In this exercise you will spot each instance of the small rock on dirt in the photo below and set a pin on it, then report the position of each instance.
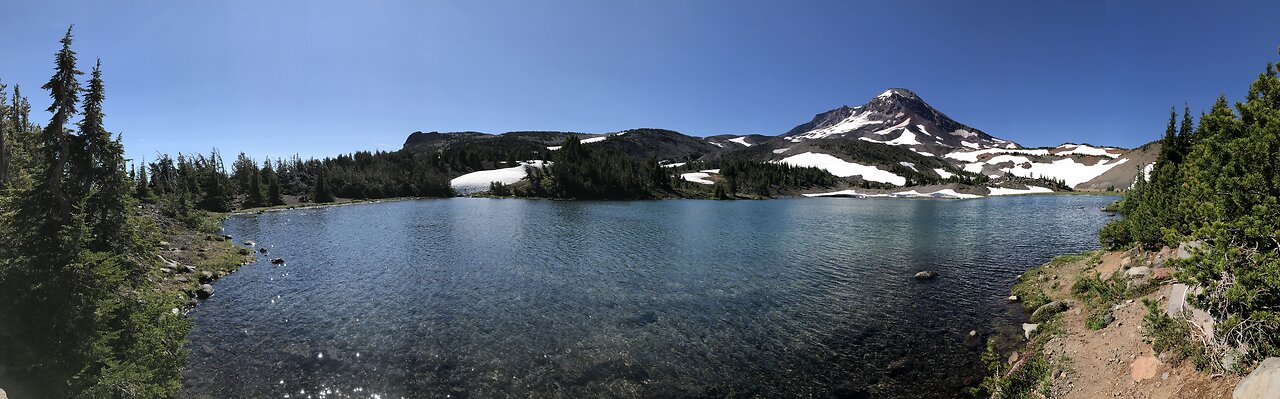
(1140, 271)
(1144, 368)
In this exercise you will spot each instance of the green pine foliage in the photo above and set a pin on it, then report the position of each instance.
(1218, 182)
(80, 313)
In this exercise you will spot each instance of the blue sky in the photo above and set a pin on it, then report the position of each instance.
(318, 78)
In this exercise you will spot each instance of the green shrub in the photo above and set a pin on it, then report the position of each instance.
(1172, 336)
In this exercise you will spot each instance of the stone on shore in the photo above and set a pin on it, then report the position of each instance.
(1028, 328)
(205, 291)
(1144, 368)
(926, 275)
(1263, 382)
(1044, 312)
(1014, 298)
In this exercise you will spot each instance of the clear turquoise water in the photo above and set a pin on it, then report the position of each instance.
(679, 298)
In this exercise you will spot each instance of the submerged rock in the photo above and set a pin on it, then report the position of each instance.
(262, 250)
(205, 291)
(277, 261)
(1263, 382)
(926, 275)
(250, 243)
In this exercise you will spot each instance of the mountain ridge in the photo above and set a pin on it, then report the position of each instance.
(879, 141)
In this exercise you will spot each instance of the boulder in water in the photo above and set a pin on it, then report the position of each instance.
(926, 275)
(277, 261)
(205, 291)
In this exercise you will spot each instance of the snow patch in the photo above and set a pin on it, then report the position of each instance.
(479, 181)
(741, 140)
(1015, 191)
(853, 122)
(842, 168)
(943, 173)
(673, 165)
(781, 150)
(697, 177)
(945, 193)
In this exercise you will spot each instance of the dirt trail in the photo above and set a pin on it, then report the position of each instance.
(1114, 362)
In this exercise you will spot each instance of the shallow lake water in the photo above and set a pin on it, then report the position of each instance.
(679, 298)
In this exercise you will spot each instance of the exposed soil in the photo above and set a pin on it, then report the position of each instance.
(1114, 362)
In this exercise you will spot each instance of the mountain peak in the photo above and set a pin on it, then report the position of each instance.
(896, 116)
(898, 92)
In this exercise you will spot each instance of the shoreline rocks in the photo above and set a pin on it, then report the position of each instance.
(1049, 309)
(205, 291)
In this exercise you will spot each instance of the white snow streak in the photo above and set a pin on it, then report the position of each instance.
(842, 168)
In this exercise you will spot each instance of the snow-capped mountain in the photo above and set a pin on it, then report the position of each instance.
(896, 139)
(897, 117)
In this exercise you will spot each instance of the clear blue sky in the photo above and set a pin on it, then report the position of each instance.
(324, 77)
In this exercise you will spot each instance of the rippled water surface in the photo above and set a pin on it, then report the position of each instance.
(679, 298)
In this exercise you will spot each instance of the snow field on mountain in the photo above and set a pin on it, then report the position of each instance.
(478, 181)
(1015, 191)
(842, 168)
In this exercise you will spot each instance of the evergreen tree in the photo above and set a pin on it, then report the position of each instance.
(143, 190)
(4, 141)
(322, 193)
(254, 197)
(103, 177)
(64, 88)
(274, 196)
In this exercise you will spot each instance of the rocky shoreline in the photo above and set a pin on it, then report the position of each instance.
(1086, 321)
